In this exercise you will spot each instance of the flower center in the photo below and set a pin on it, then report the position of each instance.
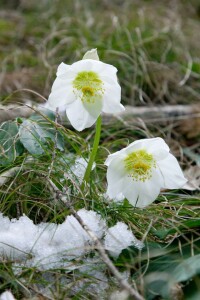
(139, 165)
(87, 85)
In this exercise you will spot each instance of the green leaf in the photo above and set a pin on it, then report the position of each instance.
(183, 226)
(10, 146)
(187, 269)
(158, 284)
(192, 289)
(31, 138)
(171, 272)
(46, 112)
(35, 133)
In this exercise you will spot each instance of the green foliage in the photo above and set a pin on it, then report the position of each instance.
(36, 132)
(10, 146)
(170, 248)
(168, 269)
(153, 47)
(183, 226)
(187, 269)
(168, 272)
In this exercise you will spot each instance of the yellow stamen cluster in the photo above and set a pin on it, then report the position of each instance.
(139, 165)
(88, 86)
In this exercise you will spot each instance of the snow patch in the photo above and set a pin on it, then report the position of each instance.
(118, 238)
(50, 245)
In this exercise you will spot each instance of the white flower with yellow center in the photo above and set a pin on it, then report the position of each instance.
(141, 170)
(85, 89)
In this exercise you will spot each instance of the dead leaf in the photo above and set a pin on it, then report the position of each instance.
(193, 176)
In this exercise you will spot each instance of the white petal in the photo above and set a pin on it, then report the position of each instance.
(112, 79)
(120, 153)
(136, 145)
(156, 146)
(116, 177)
(171, 172)
(112, 98)
(59, 83)
(91, 54)
(113, 89)
(96, 66)
(141, 194)
(130, 190)
(62, 68)
(68, 76)
(60, 98)
(110, 158)
(94, 108)
(83, 65)
(142, 144)
(106, 70)
(78, 116)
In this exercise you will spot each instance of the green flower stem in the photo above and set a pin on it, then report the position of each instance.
(94, 151)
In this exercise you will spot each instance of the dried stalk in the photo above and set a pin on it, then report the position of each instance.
(99, 247)
(131, 113)
(11, 112)
(5, 176)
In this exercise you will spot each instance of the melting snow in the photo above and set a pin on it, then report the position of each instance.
(50, 245)
(118, 238)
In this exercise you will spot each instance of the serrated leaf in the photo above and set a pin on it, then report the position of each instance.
(10, 146)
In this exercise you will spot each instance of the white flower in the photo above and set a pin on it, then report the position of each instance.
(141, 170)
(85, 89)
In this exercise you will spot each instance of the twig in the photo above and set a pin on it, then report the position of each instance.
(10, 112)
(99, 247)
(5, 176)
(152, 114)
(188, 71)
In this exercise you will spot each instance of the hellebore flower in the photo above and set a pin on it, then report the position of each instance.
(141, 170)
(85, 89)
